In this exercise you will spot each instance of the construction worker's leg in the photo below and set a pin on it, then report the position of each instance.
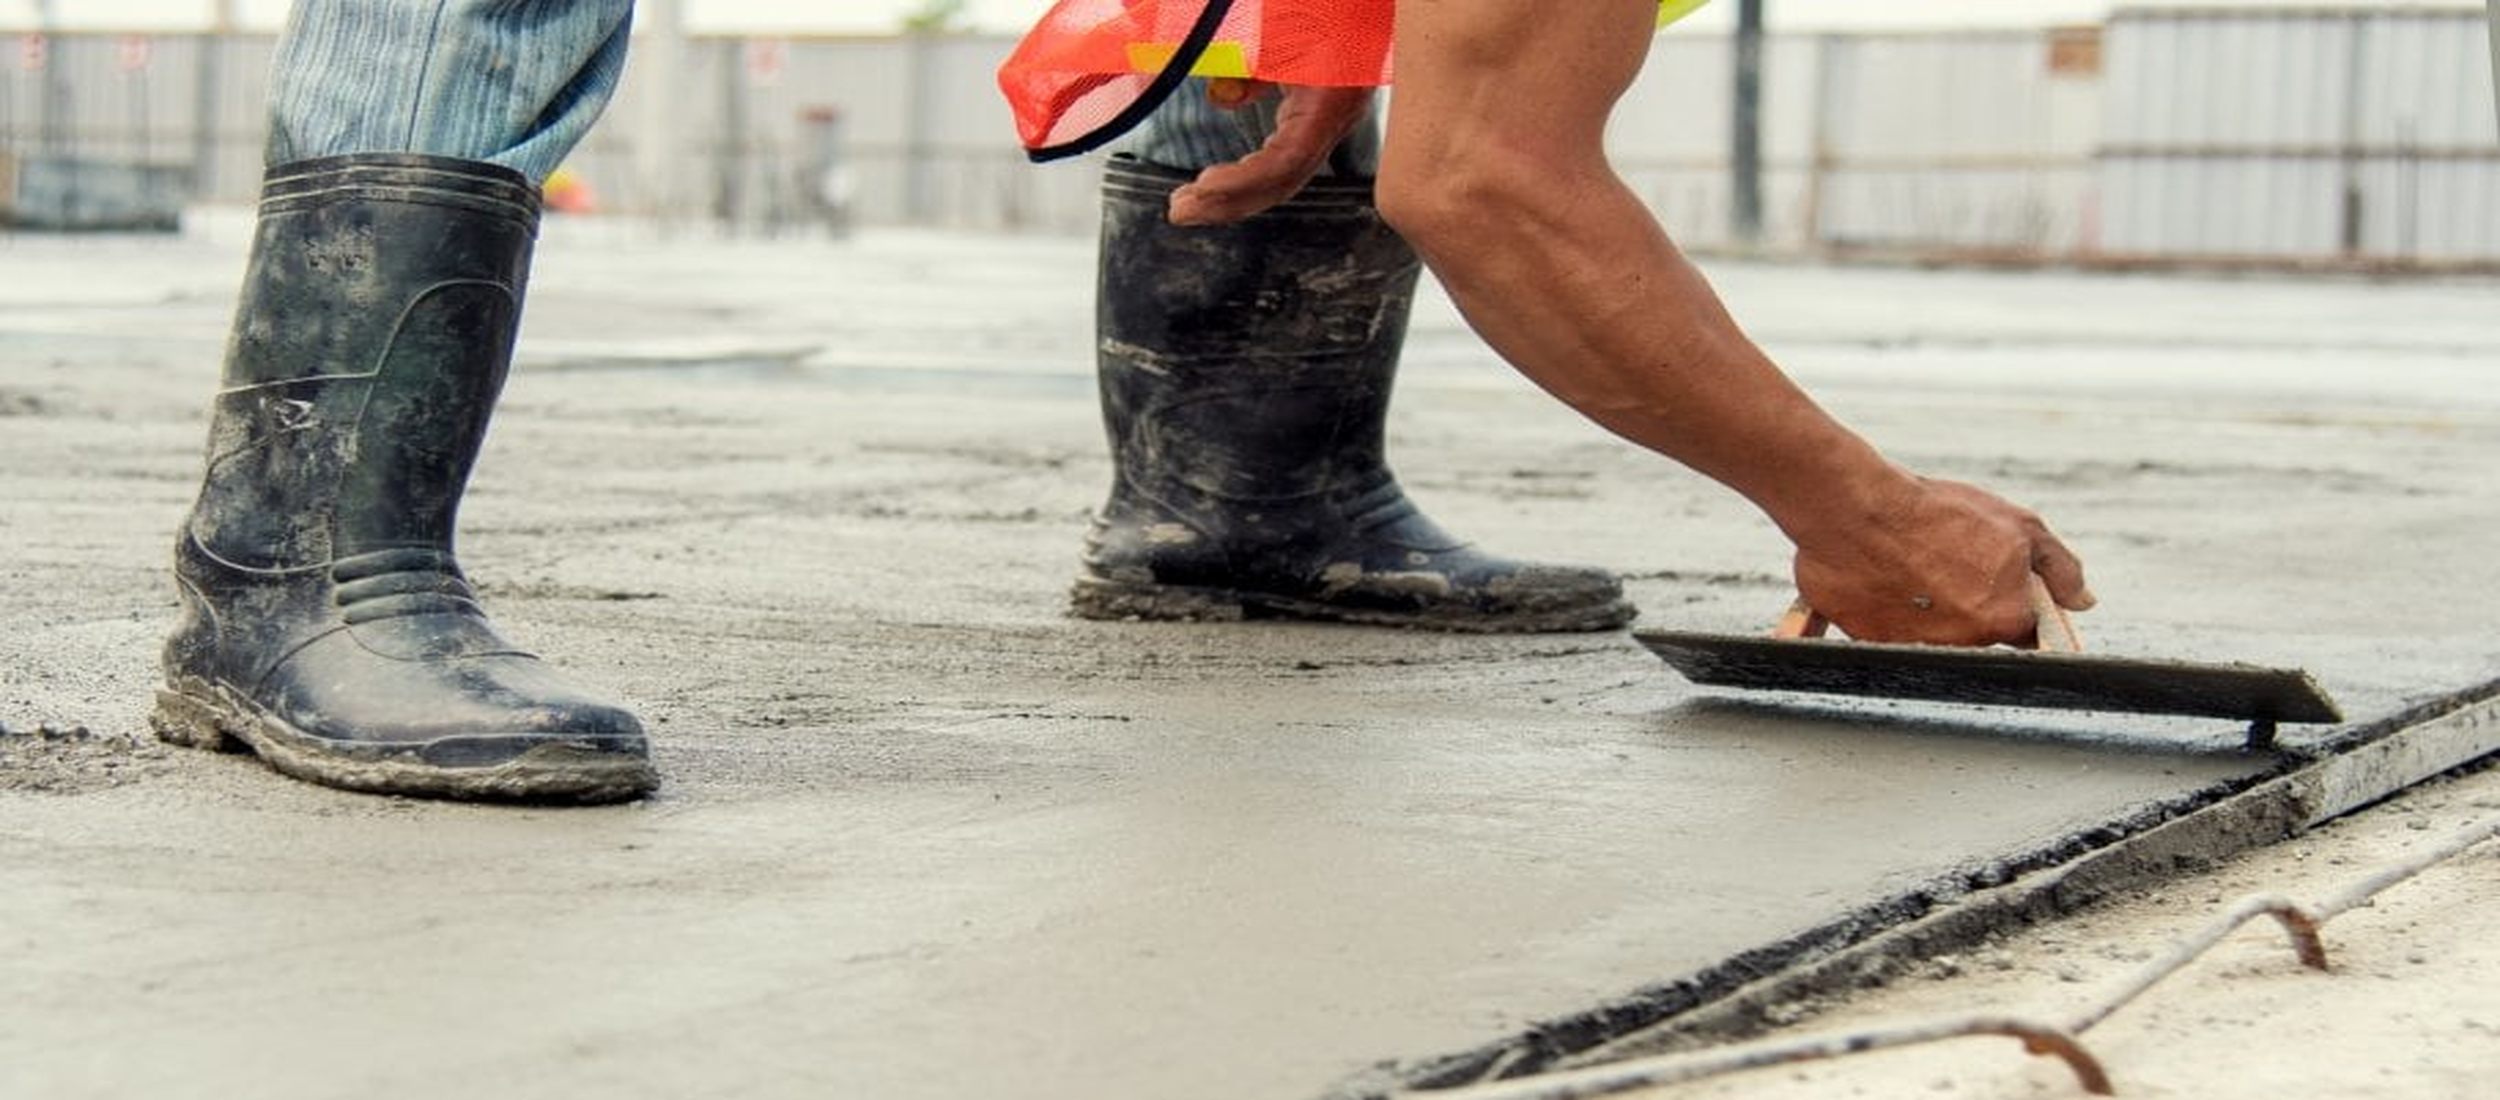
(1245, 374)
(325, 624)
(510, 83)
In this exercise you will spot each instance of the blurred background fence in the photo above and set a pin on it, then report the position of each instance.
(2294, 137)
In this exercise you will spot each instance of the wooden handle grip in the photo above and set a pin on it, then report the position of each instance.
(2054, 628)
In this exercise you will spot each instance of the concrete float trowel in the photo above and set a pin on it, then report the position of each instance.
(1796, 656)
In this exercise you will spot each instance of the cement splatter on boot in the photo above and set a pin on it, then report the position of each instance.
(1245, 374)
(325, 624)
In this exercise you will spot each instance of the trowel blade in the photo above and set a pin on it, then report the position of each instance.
(1997, 677)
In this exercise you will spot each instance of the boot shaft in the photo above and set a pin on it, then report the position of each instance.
(325, 623)
(1253, 361)
(371, 338)
(1245, 375)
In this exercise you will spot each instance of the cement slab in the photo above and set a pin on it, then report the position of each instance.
(813, 505)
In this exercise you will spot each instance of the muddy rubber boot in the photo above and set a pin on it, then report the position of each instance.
(324, 623)
(1245, 375)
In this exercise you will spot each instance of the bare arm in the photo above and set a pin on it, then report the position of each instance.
(1495, 169)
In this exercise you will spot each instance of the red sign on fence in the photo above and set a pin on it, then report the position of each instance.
(32, 51)
(767, 59)
(132, 54)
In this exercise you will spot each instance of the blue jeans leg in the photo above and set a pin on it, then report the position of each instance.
(1189, 133)
(511, 82)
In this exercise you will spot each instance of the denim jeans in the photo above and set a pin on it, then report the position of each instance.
(513, 82)
(519, 82)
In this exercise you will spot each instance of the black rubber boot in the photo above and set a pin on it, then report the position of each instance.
(1245, 376)
(324, 622)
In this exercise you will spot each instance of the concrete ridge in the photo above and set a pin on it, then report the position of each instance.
(1742, 996)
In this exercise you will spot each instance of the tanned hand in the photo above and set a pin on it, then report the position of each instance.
(1309, 124)
(1951, 566)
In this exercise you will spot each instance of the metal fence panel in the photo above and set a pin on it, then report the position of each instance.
(117, 97)
(2354, 136)
(162, 101)
(1672, 128)
(1971, 143)
(923, 136)
(2274, 135)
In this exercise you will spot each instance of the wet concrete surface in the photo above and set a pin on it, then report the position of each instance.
(813, 507)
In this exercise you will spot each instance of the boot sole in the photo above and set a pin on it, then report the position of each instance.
(215, 719)
(1112, 601)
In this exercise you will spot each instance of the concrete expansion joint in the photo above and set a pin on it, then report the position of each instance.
(1710, 1025)
(2062, 1039)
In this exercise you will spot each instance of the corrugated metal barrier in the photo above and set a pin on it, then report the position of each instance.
(2359, 136)
(2305, 137)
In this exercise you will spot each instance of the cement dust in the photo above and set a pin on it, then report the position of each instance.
(71, 759)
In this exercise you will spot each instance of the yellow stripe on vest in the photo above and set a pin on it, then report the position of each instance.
(1221, 59)
(1671, 10)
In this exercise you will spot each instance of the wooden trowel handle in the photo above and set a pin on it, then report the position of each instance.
(1801, 621)
(2055, 628)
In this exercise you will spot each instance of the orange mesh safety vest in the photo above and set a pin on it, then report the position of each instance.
(1091, 69)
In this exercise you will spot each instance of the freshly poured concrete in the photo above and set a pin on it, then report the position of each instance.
(813, 507)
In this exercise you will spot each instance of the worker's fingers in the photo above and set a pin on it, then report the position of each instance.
(2063, 572)
(1957, 565)
(1230, 192)
(1234, 93)
(1309, 124)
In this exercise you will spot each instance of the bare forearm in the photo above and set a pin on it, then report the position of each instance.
(1496, 169)
(1630, 334)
